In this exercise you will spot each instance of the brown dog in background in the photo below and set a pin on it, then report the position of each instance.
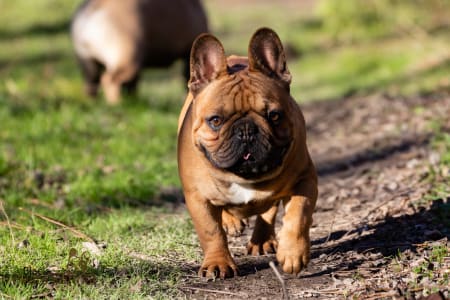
(115, 39)
(242, 150)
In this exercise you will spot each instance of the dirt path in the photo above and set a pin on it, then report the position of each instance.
(372, 155)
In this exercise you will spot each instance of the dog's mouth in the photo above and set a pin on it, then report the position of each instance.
(252, 166)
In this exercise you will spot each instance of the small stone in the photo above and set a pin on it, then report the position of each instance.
(445, 171)
(53, 269)
(392, 186)
(412, 163)
(434, 158)
(331, 199)
(356, 191)
(24, 244)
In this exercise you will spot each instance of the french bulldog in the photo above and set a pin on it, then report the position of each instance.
(115, 39)
(242, 151)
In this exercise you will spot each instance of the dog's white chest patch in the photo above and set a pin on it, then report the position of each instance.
(241, 194)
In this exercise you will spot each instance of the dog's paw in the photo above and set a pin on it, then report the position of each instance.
(293, 255)
(266, 247)
(232, 225)
(218, 267)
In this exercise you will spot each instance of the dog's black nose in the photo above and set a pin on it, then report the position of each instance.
(246, 131)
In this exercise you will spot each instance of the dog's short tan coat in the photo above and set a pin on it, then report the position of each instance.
(242, 150)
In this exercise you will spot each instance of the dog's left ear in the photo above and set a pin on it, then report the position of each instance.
(266, 54)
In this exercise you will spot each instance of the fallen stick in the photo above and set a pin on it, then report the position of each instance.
(330, 230)
(321, 292)
(283, 284)
(50, 220)
(209, 290)
(7, 221)
(5, 296)
(12, 225)
(381, 295)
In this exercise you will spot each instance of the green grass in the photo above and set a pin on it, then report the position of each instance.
(402, 50)
(439, 174)
(432, 269)
(105, 171)
(147, 248)
(95, 168)
(427, 273)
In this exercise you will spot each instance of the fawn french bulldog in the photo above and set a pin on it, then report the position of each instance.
(242, 150)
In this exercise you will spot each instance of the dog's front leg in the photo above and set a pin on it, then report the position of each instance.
(207, 220)
(293, 238)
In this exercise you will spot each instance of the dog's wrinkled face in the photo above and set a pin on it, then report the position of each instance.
(242, 125)
(241, 106)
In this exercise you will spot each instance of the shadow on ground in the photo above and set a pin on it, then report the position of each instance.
(391, 237)
(372, 155)
(36, 30)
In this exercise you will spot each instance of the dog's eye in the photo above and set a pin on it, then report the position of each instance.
(275, 116)
(215, 122)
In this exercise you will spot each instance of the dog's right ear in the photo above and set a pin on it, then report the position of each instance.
(207, 62)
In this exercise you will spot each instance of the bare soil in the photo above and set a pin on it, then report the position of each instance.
(371, 224)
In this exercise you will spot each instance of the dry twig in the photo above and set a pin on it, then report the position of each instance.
(330, 230)
(278, 275)
(2, 208)
(76, 232)
(12, 225)
(321, 292)
(210, 291)
(5, 296)
(381, 295)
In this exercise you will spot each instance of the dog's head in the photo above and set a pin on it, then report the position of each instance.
(242, 108)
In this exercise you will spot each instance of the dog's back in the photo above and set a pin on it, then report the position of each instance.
(124, 36)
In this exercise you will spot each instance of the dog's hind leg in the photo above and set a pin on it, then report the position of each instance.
(263, 239)
(232, 225)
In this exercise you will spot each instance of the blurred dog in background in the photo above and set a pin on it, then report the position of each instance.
(115, 39)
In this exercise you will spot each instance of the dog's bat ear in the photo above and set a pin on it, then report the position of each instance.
(266, 54)
(207, 62)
